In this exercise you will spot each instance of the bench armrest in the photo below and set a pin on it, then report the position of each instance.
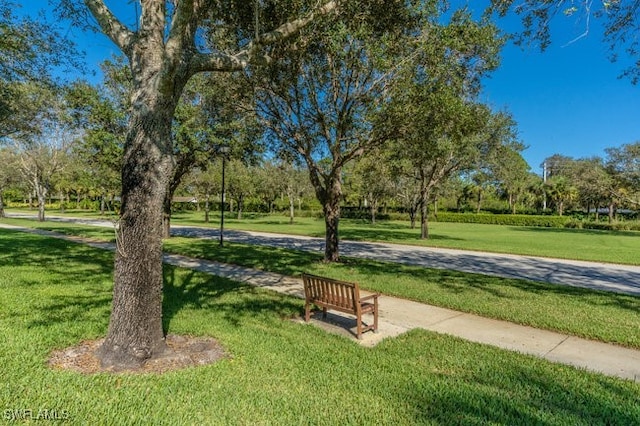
(372, 296)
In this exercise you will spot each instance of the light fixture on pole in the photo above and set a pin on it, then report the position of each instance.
(223, 150)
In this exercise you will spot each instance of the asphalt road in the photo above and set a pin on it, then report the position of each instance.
(600, 276)
(609, 277)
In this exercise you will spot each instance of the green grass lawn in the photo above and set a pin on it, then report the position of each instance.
(604, 316)
(56, 293)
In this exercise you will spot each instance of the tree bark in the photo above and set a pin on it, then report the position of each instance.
(332, 221)
(1, 205)
(135, 329)
(331, 210)
(291, 208)
(206, 207)
(424, 207)
(41, 193)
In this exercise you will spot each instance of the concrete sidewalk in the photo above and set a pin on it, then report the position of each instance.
(398, 316)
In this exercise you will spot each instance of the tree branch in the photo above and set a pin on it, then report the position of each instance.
(183, 26)
(110, 25)
(235, 62)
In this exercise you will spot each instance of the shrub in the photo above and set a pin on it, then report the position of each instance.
(505, 219)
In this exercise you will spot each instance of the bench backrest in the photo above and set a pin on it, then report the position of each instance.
(338, 293)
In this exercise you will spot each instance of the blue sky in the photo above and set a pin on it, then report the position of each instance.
(567, 100)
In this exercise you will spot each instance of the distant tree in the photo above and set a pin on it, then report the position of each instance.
(374, 173)
(476, 189)
(239, 184)
(406, 186)
(557, 165)
(8, 173)
(512, 172)
(624, 163)
(592, 182)
(315, 104)
(623, 167)
(205, 183)
(562, 192)
(446, 140)
(441, 128)
(268, 182)
(41, 158)
(296, 185)
(101, 112)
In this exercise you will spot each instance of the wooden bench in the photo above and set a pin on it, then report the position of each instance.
(342, 296)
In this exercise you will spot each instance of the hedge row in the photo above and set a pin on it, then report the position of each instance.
(605, 226)
(505, 219)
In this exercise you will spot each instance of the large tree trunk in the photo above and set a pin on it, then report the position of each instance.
(332, 220)
(135, 328)
(374, 210)
(292, 208)
(424, 207)
(331, 210)
(206, 207)
(41, 193)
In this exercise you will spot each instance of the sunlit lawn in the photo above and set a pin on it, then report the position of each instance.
(604, 316)
(56, 293)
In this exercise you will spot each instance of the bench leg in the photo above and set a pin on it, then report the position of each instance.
(324, 312)
(375, 315)
(359, 327)
(307, 312)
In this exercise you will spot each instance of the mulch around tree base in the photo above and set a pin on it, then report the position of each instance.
(182, 352)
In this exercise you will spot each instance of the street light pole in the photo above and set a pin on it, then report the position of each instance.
(224, 150)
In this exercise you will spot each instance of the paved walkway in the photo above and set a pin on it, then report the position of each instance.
(398, 316)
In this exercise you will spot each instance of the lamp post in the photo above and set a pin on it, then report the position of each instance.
(223, 150)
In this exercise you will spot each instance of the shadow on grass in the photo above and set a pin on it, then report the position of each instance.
(462, 283)
(20, 249)
(67, 228)
(378, 234)
(232, 301)
(73, 286)
(491, 388)
(284, 261)
(543, 230)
